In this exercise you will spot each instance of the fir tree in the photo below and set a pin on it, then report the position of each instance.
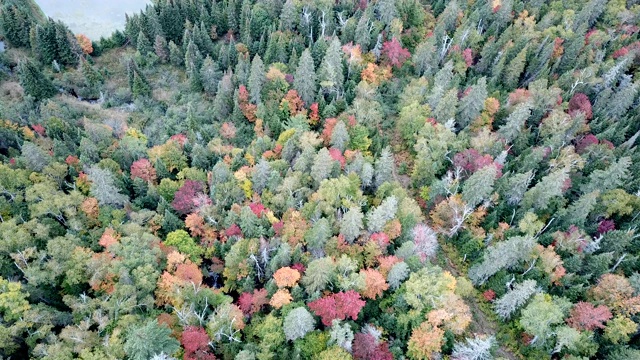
(330, 73)
(175, 54)
(384, 167)
(193, 63)
(34, 82)
(304, 80)
(256, 79)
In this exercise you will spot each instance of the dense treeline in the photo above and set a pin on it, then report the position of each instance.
(322, 180)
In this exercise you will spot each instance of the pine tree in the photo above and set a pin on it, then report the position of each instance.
(351, 224)
(323, 166)
(143, 45)
(289, 16)
(193, 63)
(68, 50)
(510, 302)
(256, 79)
(161, 49)
(502, 255)
(612, 177)
(331, 70)
(34, 82)
(340, 137)
(515, 121)
(479, 185)
(378, 216)
(175, 54)
(304, 80)
(514, 69)
(384, 167)
(148, 340)
(472, 104)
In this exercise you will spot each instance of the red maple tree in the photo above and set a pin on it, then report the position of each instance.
(394, 53)
(196, 344)
(585, 316)
(368, 347)
(337, 306)
(183, 201)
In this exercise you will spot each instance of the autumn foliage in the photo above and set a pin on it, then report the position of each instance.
(585, 316)
(337, 306)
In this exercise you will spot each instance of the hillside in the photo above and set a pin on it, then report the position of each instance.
(389, 179)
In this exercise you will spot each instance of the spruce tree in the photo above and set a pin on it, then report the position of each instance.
(304, 80)
(34, 82)
(193, 63)
(331, 70)
(143, 45)
(256, 79)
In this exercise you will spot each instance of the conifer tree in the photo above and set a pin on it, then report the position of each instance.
(148, 340)
(351, 224)
(384, 167)
(34, 82)
(256, 79)
(193, 63)
(304, 80)
(143, 45)
(323, 165)
(161, 48)
(175, 54)
(330, 73)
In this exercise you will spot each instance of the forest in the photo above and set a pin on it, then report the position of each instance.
(322, 180)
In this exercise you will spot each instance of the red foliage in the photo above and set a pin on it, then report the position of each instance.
(39, 129)
(381, 239)
(620, 52)
(196, 344)
(580, 102)
(293, 102)
(233, 230)
(329, 124)
(394, 53)
(585, 142)
(181, 139)
(257, 208)
(585, 316)
(228, 130)
(489, 295)
(606, 226)
(467, 55)
(248, 109)
(367, 347)
(144, 170)
(299, 267)
(337, 306)
(471, 161)
(314, 114)
(183, 201)
(337, 156)
(277, 227)
(245, 300)
(519, 96)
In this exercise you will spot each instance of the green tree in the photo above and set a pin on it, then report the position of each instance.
(298, 323)
(351, 224)
(34, 82)
(185, 244)
(331, 70)
(143, 342)
(256, 79)
(304, 80)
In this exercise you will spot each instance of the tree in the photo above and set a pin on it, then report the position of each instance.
(543, 314)
(104, 189)
(612, 177)
(257, 79)
(193, 62)
(397, 275)
(143, 45)
(351, 224)
(85, 43)
(298, 323)
(428, 287)
(318, 274)
(379, 216)
(184, 200)
(323, 166)
(340, 137)
(148, 340)
(161, 48)
(286, 277)
(338, 306)
(619, 328)
(367, 345)
(478, 348)
(342, 336)
(330, 73)
(425, 240)
(144, 170)
(472, 103)
(479, 186)
(196, 344)
(585, 316)
(304, 80)
(424, 341)
(384, 167)
(185, 244)
(394, 53)
(515, 298)
(34, 82)
(502, 255)
(375, 284)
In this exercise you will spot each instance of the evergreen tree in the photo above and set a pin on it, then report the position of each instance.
(193, 63)
(148, 340)
(143, 45)
(210, 75)
(351, 224)
(331, 70)
(256, 79)
(175, 54)
(161, 49)
(304, 80)
(323, 166)
(384, 167)
(340, 137)
(34, 82)
(472, 104)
